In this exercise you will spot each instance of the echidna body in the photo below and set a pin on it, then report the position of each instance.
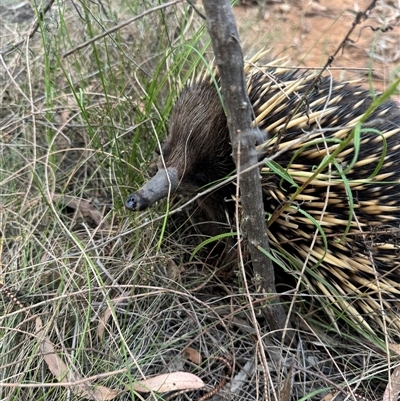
(343, 225)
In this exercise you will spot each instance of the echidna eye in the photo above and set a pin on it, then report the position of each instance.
(165, 149)
(200, 178)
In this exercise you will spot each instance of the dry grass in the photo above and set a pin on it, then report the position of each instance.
(115, 291)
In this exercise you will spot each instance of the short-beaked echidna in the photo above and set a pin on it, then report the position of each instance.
(344, 224)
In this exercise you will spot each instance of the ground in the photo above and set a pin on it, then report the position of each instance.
(308, 32)
(119, 298)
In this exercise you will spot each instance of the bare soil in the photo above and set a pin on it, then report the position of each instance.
(308, 32)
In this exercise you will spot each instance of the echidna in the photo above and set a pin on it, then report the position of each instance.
(342, 222)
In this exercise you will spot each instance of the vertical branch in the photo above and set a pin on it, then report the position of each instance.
(229, 58)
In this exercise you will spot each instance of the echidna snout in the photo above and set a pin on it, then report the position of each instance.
(163, 183)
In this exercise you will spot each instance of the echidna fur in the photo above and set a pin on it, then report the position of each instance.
(343, 228)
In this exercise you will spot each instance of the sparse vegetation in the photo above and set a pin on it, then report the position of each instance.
(119, 296)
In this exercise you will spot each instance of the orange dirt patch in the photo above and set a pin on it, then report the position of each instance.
(308, 32)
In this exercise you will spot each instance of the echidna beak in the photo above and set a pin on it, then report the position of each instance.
(159, 187)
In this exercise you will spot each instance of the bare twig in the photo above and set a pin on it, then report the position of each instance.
(32, 32)
(120, 26)
(225, 41)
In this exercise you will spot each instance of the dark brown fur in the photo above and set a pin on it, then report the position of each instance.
(199, 146)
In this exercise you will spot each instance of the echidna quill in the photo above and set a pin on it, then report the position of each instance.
(343, 226)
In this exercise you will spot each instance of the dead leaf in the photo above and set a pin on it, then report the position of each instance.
(284, 8)
(287, 386)
(266, 15)
(316, 7)
(330, 396)
(169, 382)
(83, 208)
(64, 374)
(395, 348)
(174, 271)
(392, 391)
(107, 315)
(64, 116)
(192, 355)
